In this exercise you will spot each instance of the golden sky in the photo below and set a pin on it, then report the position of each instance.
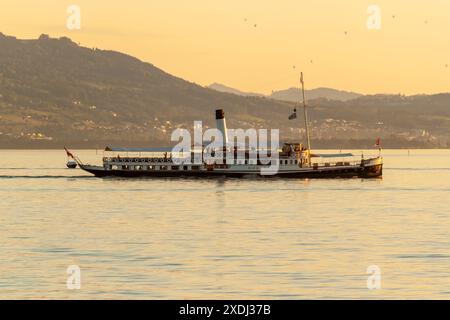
(253, 45)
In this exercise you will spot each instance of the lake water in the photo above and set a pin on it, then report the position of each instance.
(228, 238)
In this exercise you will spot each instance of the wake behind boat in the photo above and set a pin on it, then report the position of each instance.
(293, 160)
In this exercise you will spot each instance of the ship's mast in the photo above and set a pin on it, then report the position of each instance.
(305, 113)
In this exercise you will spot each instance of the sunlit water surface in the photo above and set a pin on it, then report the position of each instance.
(227, 238)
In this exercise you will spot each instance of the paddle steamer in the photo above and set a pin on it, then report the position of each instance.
(293, 161)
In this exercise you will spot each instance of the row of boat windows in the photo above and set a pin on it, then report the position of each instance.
(328, 164)
(122, 160)
(173, 168)
(163, 168)
(162, 160)
(253, 162)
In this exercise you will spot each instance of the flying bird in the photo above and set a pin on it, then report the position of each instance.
(345, 32)
(255, 25)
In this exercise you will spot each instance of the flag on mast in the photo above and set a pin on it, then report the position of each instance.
(69, 154)
(378, 142)
(294, 115)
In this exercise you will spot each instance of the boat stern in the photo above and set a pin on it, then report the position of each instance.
(372, 168)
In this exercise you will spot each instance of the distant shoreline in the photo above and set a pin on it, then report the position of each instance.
(3, 148)
(334, 144)
(323, 145)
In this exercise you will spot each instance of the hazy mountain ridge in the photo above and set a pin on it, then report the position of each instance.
(293, 94)
(54, 92)
(223, 88)
(67, 92)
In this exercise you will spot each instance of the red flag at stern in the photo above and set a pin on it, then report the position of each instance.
(378, 142)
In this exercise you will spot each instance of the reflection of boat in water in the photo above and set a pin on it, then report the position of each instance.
(292, 161)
